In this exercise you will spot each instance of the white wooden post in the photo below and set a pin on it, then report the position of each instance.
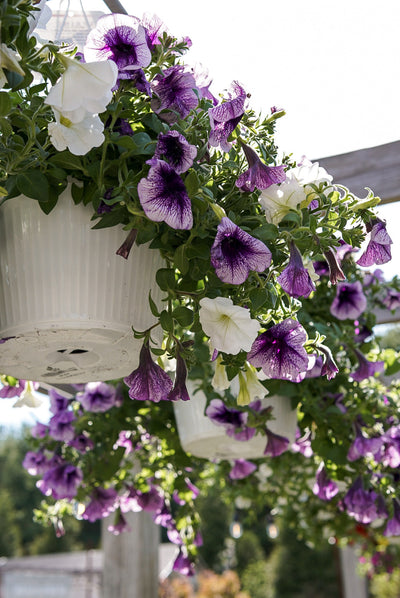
(354, 585)
(131, 566)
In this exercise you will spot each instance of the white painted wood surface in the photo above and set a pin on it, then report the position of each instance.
(353, 584)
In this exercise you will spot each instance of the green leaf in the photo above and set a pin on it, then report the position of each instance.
(183, 315)
(67, 161)
(166, 321)
(153, 307)
(34, 184)
(165, 278)
(110, 219)
(258, 297)
(180, 260)
(5, 103)
(192, 183)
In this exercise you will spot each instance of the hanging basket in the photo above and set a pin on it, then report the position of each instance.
(67, 301)
(200, 437)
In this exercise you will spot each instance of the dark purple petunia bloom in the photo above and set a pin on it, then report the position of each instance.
(295, 278)
(225, 117)
(125, 249)
(39, 430)
(60, 426)
(363, 446)
(58, 402)
(82, 443)
(61, 481)
(103, 502)
(335, 272)
(276, 444)
(9, 392)
(183, 565)
(241, 469)
(35, 463)
(173, 148)
(179, 391)
(302, 444)
(164, 198)
(280, 352)
(138, 78)
(366, 368)
(120, 524)
(175, 90)
(98, 397)
(148, 382)
(378, 250)
(324, 488)
(259, 174)
(364, 505)
(120, 38)
(150, 501)
(233, 420)
(393, 525)
(350, 301)
(390, 456)
(392, 299)
(235, 253)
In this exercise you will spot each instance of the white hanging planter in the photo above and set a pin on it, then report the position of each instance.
(200, 437)
(67, 301)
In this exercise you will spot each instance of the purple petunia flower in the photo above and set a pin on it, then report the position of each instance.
(39, 430)
(295, 278)
(120, 38)
(173, 148)
(120, 525)
(175, 90)
(363, 446)
(276, 444)
(58, 402)
(138, 78)
(9, 392)
(390, 456)
(234, 253)
(148, 382)
(36, 463)
(366, 368)
(324, 488)
(61, 481)
(98, 397)
(350, 301)
(242, 469)
(183, 565)
(329, 367)
(259, 174)
(82, 443)
(103, 502)
(378, 250)
(225, 117)
(164, 198)
(392, 299)
(336, 273)
(149, 501)
(233, 420)
(60, 426)
(179, 391)
(302, 444)
(393, 525)
(279, 351)
(364, 505)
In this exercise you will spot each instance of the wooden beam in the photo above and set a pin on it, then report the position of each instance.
(377, 168)
(115, 6)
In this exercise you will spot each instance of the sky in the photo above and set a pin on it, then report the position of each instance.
(333, 66)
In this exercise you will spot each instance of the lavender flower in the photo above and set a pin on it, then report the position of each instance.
(98, 397)
(82, 443)
(164, 198)
(120, 524)
(173, 148)
(233, 420)
(148, 382)
(324, 488)
(350, 301)
(392, 299)
(8, 391)
(242, 469)
(363, 446)
(279, 351)
(183, 565)
(364, 505)
(61, 481)
(58, 402)
(378, 249)
(149, 501)
(366, 368)
(258, 174)
(39, 430)
(35, 463)
(103, 502)
(393, 525)
(60, 426)
(179, 390)
(120, 38)
(276, 444)
(329, 367)
(175, 92)
(225, 117)
(295, 278)
(234, 253)
(302, 444)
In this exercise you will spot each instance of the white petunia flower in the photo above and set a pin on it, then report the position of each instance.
(220, 379)
(278, 200)
(29, 398)
(229, 326)
(10, 61)
(84, 84)
(79, 137)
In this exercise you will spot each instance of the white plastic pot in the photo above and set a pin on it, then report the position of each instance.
(200, 437)
(67, 301)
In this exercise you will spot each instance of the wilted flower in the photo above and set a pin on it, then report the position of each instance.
(235, 253)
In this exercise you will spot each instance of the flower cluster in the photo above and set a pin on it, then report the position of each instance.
(262, 294)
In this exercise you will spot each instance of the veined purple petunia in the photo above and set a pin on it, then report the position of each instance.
(276, 444)
(364, 505)
(148, 382)
(366, 368)
(258, 174)
(378, 250)
(234, 253)
(179, 391)
(350, 301)
(324, 488)
(225, 117)
(280, 352)
(175, 92)
(295, 278)
(164, 198)
(120, 38)
(174, 149)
